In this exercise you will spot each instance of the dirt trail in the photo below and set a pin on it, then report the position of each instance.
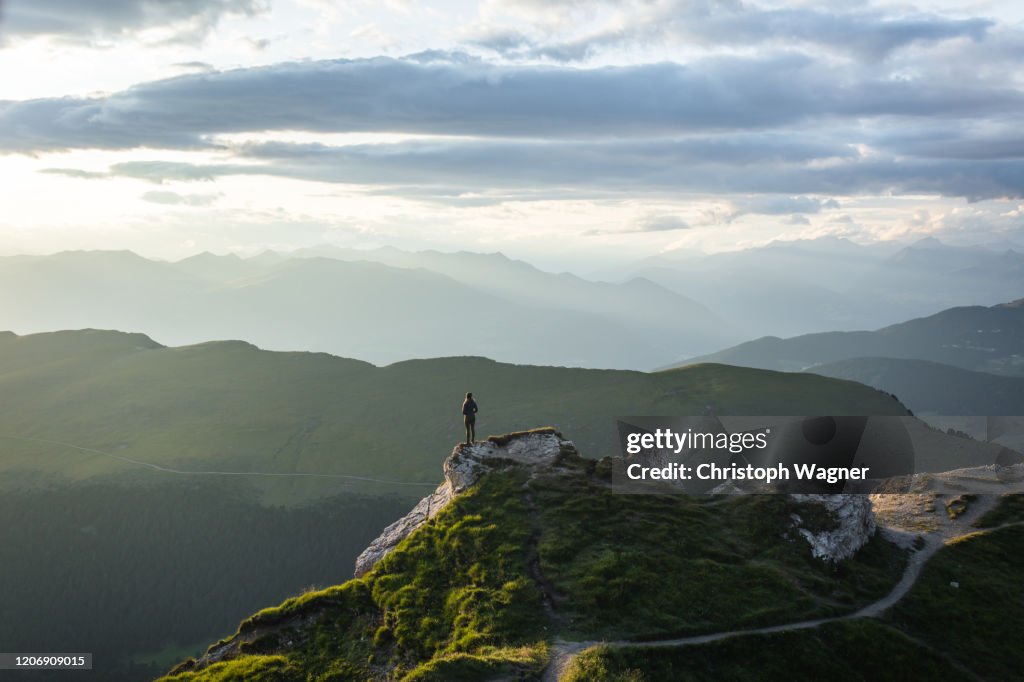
(944, 531)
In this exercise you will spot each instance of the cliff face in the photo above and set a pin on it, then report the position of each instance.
(462, 469)
(850, 524)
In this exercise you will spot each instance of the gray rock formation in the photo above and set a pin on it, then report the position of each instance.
(462, 469)
(853, 527)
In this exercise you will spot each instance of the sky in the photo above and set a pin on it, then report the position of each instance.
(551, 130)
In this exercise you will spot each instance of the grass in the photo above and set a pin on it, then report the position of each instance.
(450, 602)
(958, 505)
(245, 669)
(646, 566)
(963, 616)
(231, 406)
(845, 651)
(456, 599)
(1009, 510)
(978, 622)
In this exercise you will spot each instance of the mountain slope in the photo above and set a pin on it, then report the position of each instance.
(541, 548)
(987, 339)
(228, 406)
(536, 556)
(932, 388)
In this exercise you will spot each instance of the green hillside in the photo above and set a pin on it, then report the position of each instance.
(967, 631)
(461, 598)
(979, 338)
(230, 407)
(535, 561)
(932, 388)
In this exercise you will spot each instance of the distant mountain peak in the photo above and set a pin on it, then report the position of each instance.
(208, 257)
(929, 243)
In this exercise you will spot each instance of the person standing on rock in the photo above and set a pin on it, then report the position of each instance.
(469, 410)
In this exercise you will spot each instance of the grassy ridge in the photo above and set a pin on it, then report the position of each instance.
(458, 598)
(231, 406)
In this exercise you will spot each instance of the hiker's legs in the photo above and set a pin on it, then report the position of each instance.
(470, 429)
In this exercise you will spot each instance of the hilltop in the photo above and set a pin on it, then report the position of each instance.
(127, 404)
(524, 561)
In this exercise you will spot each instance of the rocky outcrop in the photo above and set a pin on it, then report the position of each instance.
(848, 525)
(462, 469)
(844, 524)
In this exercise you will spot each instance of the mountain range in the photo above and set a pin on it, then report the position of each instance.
(356, 308)
(384, 305)
(788, 288)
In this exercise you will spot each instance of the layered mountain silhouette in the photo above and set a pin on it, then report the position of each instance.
(479, 305)
(932, 388)
(978, 338)
(787, 288)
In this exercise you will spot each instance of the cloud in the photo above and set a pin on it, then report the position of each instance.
(602, 168)
(195, 66)
(866, 33)
(660, 223)
(76, 173)
(175, 199)
(779, 205)
(76, 20)
(468, 97)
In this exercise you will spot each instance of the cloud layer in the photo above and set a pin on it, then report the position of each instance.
(76, 20)
(772, 112)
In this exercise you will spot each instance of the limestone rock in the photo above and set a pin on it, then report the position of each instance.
(462, 469)
(854, 525)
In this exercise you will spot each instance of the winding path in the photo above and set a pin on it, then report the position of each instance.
(563, 652)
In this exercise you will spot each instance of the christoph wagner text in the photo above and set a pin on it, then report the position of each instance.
(748, 472)
(667, 439)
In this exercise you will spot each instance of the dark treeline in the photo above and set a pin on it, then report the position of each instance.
(127, 572)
